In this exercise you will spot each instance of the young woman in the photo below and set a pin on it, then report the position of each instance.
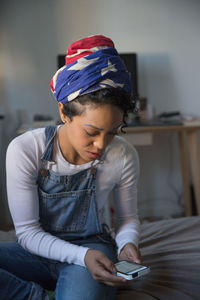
(59, 179)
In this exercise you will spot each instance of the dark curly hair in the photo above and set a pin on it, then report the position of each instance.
(112, 96)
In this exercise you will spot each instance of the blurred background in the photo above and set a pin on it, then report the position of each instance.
(163, 34)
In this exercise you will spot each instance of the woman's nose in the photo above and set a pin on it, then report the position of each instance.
(100, 143)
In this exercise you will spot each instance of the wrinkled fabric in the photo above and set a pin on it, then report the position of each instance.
(91, 64)
(171, 248)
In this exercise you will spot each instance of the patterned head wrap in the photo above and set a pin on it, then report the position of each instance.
(91, 64)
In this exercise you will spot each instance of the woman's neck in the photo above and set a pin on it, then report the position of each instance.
(66, 148)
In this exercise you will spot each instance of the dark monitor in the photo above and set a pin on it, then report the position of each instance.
(130, 60)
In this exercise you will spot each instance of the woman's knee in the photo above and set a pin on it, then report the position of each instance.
(75, 282)
(8, 252)
(24, 265)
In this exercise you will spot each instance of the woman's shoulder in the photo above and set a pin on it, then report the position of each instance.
(28, 141)
(121, 155)
(25, 150)
(121, 162)
(121, 147)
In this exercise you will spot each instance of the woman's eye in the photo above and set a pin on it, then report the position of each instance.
(91, 134)
(96, 133)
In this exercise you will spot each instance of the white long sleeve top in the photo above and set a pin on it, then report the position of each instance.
(118, 173)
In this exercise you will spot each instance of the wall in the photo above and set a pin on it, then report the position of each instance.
(165, 34)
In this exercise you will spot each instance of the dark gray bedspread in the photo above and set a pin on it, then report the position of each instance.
(172, 250)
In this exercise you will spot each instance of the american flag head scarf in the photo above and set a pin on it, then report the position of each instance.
(91, 64)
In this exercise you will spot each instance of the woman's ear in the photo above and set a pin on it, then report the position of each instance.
(63, 117)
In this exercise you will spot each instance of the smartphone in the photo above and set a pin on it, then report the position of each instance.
(130, 270)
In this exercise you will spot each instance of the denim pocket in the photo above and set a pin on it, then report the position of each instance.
(65, 211)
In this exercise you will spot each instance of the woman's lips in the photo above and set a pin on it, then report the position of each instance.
(94, 154)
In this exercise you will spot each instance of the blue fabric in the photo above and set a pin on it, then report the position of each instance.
(25, 276)
(76, 283)
(22, 275)
(50, 132)
(101, 69)
(67, 203)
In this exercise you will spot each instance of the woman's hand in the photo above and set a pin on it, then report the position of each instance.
(130, 252)
(102, 269)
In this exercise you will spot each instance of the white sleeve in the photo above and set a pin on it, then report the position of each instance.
(127, 223)
(22, 163)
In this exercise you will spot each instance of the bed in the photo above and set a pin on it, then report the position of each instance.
(172, 250)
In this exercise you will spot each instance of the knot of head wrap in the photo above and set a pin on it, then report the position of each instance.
(91, 64)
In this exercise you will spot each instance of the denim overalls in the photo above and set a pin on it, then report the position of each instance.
(68, 206)
(68, 210)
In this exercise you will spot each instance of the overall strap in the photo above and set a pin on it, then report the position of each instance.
(50, 132)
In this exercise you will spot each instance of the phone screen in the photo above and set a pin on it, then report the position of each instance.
(126, 267)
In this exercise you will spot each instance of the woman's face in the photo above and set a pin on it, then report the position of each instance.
(84, 138)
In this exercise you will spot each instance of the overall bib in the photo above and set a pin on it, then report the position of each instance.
(68, 206)
(68, 210)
